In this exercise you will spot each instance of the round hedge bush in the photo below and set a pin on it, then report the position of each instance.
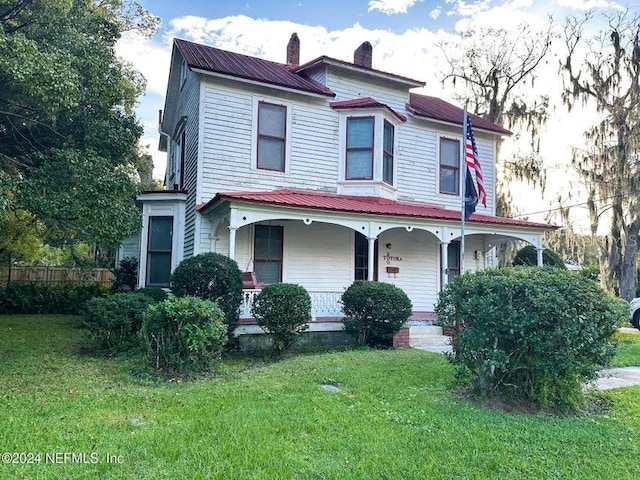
(532, 333)
(115, 321)
(184, 334)
(283, 310)
(374, 312)
(528, 256)
(213, 277)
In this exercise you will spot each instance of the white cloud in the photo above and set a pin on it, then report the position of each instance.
(149, 58)
(413, 53)
(391, 7)
(435, 13)
(588, 4)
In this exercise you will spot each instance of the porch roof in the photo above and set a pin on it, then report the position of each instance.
(315, 200)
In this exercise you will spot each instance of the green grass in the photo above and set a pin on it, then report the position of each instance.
(394, 418)
(628, 350)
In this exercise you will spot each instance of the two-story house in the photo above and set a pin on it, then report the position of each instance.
(317, 174)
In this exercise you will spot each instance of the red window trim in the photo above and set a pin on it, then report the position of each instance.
(448, 167)
(280, 259)
(385, 152)
(371, 149)
(283, 139)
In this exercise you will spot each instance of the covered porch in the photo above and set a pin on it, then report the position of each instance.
(325, 241)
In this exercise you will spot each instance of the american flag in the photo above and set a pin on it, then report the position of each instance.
(471, 154)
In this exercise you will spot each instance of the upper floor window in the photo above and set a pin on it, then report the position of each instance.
(449, 166)
(387, 154)
(359, 158)
(272, 136)
(177, 161)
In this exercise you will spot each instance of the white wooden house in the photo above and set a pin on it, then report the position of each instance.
(317, 174)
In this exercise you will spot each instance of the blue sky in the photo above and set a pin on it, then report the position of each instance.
(404, 34)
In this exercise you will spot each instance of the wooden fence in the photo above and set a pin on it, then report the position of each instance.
(54, 275)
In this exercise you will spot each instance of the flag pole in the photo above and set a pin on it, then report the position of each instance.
(463, 177)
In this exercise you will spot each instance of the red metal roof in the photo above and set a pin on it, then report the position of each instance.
(367, 205)
(237, 65)
(437, 109)
(365, 102)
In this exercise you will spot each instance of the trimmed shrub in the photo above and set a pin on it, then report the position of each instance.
(184, 334)
(126, 275)
(528, 256)
(283, 310)
(115, 321)
(156, 294)
(19, 298)
(531, 333)
(213, 277)
(374, 312)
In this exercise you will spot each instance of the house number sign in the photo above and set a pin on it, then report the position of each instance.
(388, 258)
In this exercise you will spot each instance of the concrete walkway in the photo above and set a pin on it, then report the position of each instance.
(607, 379)
(618, 377)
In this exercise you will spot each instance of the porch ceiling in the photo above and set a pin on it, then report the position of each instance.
(331, 202)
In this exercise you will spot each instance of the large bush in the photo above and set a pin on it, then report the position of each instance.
(210, 276)
(125, 277)
(283, 310)
(59, 299)
(533, 333)
(528, 256)
(184, 334)
(115, 321)
(156, 294)
(375, 311)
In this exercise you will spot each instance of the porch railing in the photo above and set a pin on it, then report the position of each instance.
(324, 303)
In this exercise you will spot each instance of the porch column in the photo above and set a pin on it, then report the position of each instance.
(540, 250)
(370, 263)
(232, 242)
(444, 249)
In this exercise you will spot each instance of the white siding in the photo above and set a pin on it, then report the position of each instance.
(318, 256)
(418, 275)
(229, 137)
(349, 87)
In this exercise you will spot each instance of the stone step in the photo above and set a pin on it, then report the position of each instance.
(422, 340)
(425, 330)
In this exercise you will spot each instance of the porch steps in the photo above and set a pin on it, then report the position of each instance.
(429, 337)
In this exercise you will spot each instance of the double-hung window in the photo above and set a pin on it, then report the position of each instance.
(159, 251)
(387, 154)
(272, 136)
(359, 157)
(267, 253)
(449, 166)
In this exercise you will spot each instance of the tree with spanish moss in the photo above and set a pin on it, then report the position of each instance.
(603, 69)
(497, 69)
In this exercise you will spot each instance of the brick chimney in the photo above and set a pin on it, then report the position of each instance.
(293, 50)
(362, 55)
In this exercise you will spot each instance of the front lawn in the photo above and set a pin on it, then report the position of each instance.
(628, 350)
(394, 417)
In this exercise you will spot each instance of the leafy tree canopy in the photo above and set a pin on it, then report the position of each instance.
(68, 135)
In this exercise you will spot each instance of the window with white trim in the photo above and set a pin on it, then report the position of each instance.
(272, 137)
